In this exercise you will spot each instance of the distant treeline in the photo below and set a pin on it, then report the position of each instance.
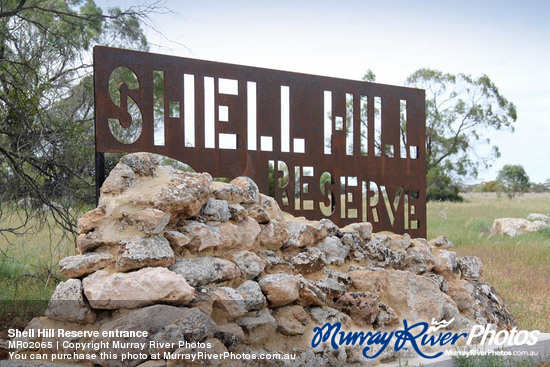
(492, 186)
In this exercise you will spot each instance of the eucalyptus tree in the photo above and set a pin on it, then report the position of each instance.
(512, 180)
(459, 110)
(46, 103)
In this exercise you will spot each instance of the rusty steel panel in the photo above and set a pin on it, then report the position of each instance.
(340, 149)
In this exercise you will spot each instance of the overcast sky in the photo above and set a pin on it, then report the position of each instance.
(507, 40)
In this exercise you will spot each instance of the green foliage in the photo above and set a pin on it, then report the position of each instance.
(369, 76)
(490, 186)
(458, 109)
(540, 187)
(46, 100)
(440, 186)
(512, 180)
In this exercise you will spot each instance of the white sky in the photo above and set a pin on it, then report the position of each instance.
(507, 40)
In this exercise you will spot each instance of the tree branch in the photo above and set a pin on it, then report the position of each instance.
(15, 11)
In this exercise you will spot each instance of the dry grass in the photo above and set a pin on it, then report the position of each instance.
(519, 267)
(28, 264)
(29, 271)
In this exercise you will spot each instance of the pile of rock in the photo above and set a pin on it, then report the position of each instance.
(515, 226)
(219, 265)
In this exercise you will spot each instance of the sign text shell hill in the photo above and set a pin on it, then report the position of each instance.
(340, 149)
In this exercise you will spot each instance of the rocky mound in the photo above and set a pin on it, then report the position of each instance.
(220, 267)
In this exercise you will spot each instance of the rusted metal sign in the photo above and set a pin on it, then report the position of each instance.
(339, 149)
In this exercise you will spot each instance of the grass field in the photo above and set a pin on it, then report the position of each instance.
(28, 263)
(519, 268)
(29, 272)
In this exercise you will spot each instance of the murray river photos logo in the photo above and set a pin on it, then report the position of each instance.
(417, 336)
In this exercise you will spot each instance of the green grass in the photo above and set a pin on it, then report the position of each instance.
(518, 267)
(29, 271)
(470, 221)
(28, 265)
